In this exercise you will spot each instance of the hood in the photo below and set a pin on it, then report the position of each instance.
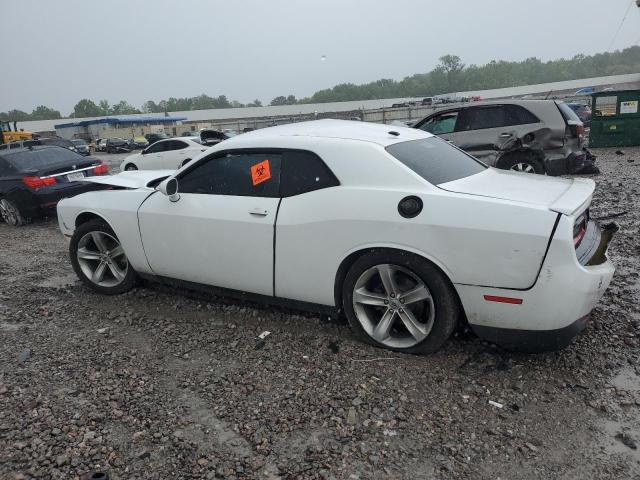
(132, 179)
(566, 196)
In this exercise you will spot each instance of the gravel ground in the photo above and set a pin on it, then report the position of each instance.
(164, 384)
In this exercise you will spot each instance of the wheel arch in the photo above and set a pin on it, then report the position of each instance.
(87, 216)
(354, 255)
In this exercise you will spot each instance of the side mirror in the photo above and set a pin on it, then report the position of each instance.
(169, 188)
(143, 152)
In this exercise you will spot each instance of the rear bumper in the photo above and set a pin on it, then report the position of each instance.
(33, 203)
(549, 314)
(576, 162)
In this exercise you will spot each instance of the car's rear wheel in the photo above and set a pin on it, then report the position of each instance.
(10, 213)
(99, 259)
(130, 167)
(399, 301)
(525, 163)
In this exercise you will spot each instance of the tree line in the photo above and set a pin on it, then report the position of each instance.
(449, 76)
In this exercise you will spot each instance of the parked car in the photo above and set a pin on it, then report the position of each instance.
(34, 179)
(533, 136)
(582, 111)
(101, 145)
(171, 153)
(116, 145)
(154, 137)
(53, 141)
(136, 143)
(81, 146)
(404, 233)
(211, 137)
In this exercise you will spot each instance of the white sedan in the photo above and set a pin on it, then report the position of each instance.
(405, 234)
(171, 153)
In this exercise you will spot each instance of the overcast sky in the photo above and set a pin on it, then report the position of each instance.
(56, 52)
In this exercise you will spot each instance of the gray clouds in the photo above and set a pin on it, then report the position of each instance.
(59, 51)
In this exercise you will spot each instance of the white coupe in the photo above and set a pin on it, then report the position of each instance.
(405, 234)
(171, 153)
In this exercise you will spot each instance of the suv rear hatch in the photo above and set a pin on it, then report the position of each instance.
(566, 196)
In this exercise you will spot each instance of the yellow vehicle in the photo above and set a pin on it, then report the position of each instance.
(8, 135)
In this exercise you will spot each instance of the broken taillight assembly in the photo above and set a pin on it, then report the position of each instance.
(580, 228)
(577, 130)
(38, 182)
(101, 169)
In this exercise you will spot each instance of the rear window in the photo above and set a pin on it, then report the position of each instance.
(436, 160)
(568, 113)
(39, 159)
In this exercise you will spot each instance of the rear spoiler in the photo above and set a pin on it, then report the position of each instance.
(576, 199)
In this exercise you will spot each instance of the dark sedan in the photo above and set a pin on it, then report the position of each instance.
(81, 146)
(117, 145)
(33, 180)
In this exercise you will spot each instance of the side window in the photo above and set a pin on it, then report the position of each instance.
(517, 115)
(245, 174)
(483, 117)
(15, 145)
(176, 145)
(304, 172)
(156, 147)
(441, 124)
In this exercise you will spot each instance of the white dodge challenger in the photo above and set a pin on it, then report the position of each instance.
(405, 234)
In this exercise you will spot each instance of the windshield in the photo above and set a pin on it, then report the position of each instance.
(436, 160)
(41, 158)
(78, 142)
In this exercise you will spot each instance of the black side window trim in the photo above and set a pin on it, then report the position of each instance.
(273, 151)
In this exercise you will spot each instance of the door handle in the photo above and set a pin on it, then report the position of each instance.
(259, 212)
(505, 135)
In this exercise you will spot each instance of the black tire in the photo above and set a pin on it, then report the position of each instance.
(447, 306)
(522, 161)
(97, 225)
(130, 167)
(185, 162)
(11, 214)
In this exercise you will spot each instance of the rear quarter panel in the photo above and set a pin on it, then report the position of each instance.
(474, 240)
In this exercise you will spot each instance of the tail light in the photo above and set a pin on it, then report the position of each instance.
(580, 228)
(577, 130)
(101, 169)
(38, 182)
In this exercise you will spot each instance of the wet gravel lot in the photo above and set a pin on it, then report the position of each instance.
(163, 384)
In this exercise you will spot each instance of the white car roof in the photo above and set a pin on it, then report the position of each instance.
(345, 129)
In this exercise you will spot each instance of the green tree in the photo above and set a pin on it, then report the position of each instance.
(123, 108)
(86, 108)
(44, 113)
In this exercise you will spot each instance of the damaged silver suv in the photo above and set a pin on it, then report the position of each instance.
(534, 136)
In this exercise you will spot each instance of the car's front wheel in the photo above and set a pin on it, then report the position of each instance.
(10, 213)
(99, 259)
(130, 167)
(400, 301)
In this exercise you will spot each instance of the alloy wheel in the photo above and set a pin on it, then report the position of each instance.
(523, 167)
(394, 306)
(102, 259)
(9, 213)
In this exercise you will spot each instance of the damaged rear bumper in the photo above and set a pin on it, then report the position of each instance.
(551, 313)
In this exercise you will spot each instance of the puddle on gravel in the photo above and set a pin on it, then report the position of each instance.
(59, 281)
(627, 380)
(614, 446)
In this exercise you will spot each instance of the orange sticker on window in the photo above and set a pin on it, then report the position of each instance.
(260, 172)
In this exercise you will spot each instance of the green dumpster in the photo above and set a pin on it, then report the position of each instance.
(615, 119)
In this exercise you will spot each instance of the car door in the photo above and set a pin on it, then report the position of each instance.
(152, 156)
(220, 231)
(484, 131)
(173, 154)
